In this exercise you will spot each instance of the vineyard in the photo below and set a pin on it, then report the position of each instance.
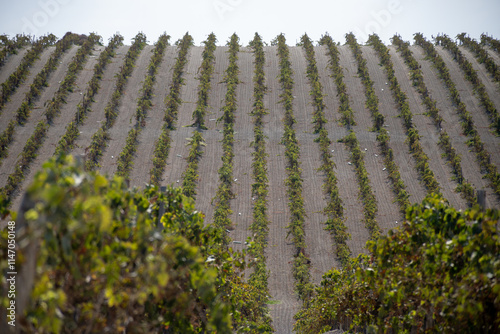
(253, 187)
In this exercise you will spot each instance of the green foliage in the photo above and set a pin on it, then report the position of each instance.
(172, 102)
(22, 71)
(106, 263)
(438, 273)
(126, 157)
(11, 46)
(206, 68)
(260, 221)
(481, 55)
(372, 103)
(39, 82)
(36, 140)
(491, 42)
(301, 263)
(474, 140)
(412, 136)
(470, 74)
(101, 136)
(449, 151)
(334, 209)
(84, 107)
(190, 175)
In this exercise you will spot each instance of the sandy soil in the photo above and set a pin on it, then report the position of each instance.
(176, 161)
(23, 133)
(67, 114)
(96, 116)
(11, 63)
(320, 246)
(280, 250)
(389, 108)
(388, 210)
(9, 111)
(143, 160)
(481, 119)
(428, 132)
(211, 159)
(126, 113)
(451, 125)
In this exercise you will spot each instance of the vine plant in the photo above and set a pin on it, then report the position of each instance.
(22, 71)
(84, 107)
(383, 137)
(470, 75)
(101, 136)
(469, 129)
(206, 69)
(36, 140)
(301, 263)
(125, 159)
(260, 222)
(412, 136)
(224, 192)
(454, 159)
(172, 102)
(491, 42)
(39, 82)
(334, 209)
(482, 55)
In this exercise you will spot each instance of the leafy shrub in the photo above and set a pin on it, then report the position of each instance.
(437, 273)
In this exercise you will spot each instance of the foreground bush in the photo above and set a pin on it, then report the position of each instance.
(438, 273)
(105, 263)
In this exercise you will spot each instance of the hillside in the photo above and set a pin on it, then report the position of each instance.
(344, 143)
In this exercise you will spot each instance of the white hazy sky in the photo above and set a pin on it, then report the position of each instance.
(245, 17)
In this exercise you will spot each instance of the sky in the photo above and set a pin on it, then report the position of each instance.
(245, 17)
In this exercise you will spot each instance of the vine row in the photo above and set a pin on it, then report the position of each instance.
(467, 123)
(22, 71)
(10, 46)
(454, 159)
(172, 102)
(260, 188)
(491, 42)
(125, 159)
(101, 136)
(334, 209)
(39, 82)
(84, 107)
(36, 140)
(413, 137)
(383, 137)
(206, 68)
(224, 192)
(301, 263)
(481, 55)
(470, 75)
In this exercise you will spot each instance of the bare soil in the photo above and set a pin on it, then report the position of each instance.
(280, 250)
(96, 116)
(126, 113)
(143, 159)
(481, 119)
(22, 133)
(67, 114)
(438, 91)
(428, 132)
(9, 111)
(211, 161)
(11, 63)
